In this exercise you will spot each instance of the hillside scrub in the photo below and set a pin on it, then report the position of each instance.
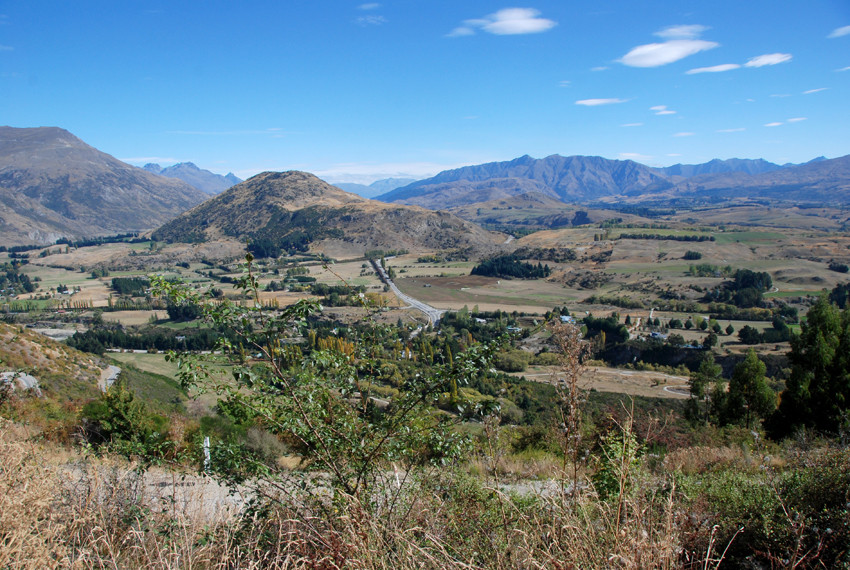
(700, 507)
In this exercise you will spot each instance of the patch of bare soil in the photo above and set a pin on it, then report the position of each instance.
(632, 382)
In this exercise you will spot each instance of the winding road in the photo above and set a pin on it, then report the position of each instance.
(434, 314)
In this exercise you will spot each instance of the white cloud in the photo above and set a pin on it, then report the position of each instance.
(655, 55)
(597, 102)
(633, 156)
(460, 32)
(147, 159)
(780, 95)
(565, 83)
(662, 110)
(371, 20)
(369, 6)
(796, 119)
(737, 130)
(632, 125)
(713, 68)
(599, 68)
(366, 173)
(839, 32)
(844, 68)
(810, 91)
(507, 22)
(681, 32)
(768, 59)
(684, 134)
(6, 48)
(674, 154)
(776, 124)
(272, 131)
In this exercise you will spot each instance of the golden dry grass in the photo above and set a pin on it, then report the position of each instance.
(100, 513)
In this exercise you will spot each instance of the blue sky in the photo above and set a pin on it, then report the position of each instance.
(356, 91)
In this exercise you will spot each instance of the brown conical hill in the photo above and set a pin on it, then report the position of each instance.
(298, 208)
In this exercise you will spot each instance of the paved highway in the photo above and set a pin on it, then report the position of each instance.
(432, 313)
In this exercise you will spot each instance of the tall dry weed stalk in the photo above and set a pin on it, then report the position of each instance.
(571, 354)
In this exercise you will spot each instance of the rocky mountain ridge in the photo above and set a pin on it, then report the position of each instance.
(588, 180)
(199, 178)
(54, 185)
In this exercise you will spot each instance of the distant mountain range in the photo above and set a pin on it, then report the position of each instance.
(592, 179)
(375, 188)
(296, 209)
(822, 182)
(54, 185)
(717, 166)
(570, 179)
(203, 180)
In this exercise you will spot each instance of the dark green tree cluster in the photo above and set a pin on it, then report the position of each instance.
(12, 281)
(130, 286)
(668, 237)
(508, 266)
(780, 332)
(98, 340)
(615, 332)
(183, 311)
(746, 289)
(817, 394)
(745, 399)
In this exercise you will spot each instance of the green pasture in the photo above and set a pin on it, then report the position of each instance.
(748, 237)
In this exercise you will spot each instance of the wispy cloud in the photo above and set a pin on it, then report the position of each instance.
(818, 90)
(565, 83)
(796, 119)
(844, 68)
(656, 55)
(684, 134)
(366, 173)
(774, 124)
(779, 95)
(681, 32)
(714, 68)
(768, 59)
(839, 32)
(634, 156)
(682, 42)
(148, 159)
(662, 110)
(599, 68)
(371, 20)
(597, 102)
(506, 22)
(369, 6)
(6, 48)
(632, 125)
(736, 130)
(272, 131)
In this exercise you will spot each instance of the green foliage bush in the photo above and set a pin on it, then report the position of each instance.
(124, 424)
